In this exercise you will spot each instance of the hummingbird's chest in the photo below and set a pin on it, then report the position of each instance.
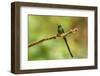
(60, 30)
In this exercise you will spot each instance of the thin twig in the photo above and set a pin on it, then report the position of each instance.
(52, 37)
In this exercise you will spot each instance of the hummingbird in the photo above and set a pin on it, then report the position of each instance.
(60, 31)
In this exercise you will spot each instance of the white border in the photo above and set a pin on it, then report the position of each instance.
(25, 64)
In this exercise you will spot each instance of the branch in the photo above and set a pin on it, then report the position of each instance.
(53, 37)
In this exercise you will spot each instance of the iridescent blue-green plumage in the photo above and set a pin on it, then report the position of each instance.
(60, 31)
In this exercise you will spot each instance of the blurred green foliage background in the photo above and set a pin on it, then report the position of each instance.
(44, 26)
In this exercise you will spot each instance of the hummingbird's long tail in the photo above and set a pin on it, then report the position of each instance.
(68, 47)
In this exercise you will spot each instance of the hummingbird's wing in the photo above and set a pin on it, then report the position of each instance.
(68, 47)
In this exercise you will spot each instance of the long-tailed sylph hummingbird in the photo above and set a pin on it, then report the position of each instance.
(60, 31)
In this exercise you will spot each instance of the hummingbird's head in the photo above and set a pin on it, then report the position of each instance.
(59, 26)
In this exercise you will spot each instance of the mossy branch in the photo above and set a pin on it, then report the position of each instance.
(53, 37)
